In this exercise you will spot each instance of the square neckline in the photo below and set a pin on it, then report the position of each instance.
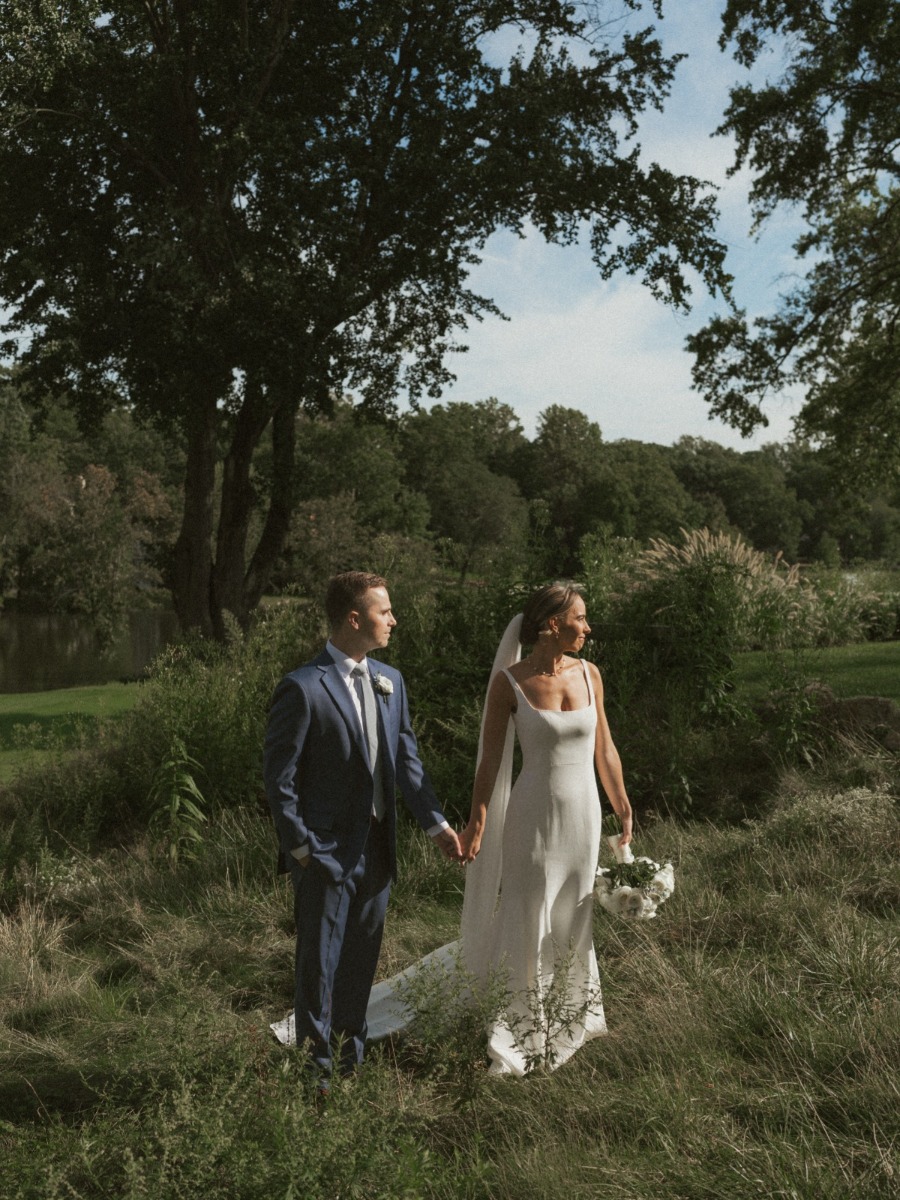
(534, 707)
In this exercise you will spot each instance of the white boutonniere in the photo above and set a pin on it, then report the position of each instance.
(382, 685)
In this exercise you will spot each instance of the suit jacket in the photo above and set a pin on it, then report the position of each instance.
(318, 779)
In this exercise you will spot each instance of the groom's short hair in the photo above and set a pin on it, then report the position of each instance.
(345, 593)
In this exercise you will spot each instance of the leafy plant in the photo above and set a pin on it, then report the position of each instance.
(451, 1012)
(635, 874)
(178, 805)
(548, 1014)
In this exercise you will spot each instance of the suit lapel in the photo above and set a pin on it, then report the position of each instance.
(336, 687)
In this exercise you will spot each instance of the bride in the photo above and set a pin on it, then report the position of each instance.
(531, 847)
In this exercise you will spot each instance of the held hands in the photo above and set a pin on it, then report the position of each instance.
(470, 842)
(448, 844)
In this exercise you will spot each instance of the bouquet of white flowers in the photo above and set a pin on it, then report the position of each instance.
(635, 887)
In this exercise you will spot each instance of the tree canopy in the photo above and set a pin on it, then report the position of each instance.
(220, 214)
(823, 137)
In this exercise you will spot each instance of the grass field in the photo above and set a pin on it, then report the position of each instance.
(33, 724)
(754, 1033)
(864, 669)
(754, 1026)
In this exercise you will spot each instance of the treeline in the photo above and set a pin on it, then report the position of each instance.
(89, 517)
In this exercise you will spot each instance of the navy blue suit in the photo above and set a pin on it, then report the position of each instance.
(320, 788)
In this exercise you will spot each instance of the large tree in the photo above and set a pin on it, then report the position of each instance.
(823, 137)
(221, 212)
(562, 473)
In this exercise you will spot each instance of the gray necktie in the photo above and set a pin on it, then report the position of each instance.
(363, 684)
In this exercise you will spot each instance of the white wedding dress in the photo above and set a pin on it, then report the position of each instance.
(529, 895)
(540, 934)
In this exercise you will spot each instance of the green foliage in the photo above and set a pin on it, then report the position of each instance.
(634, 874)
(689, 608)
(458, 456)
(638, 493)
(340, 512)
(450, 1012)
(669, 624)
(547, 1014)
(204, 708)
(221, 239)
(562, 468)
(212, 700)
(821, 136)
(445, 645)
(177, 804)
(86, 518)
(750, 492)
(83, 554)
(852, 607)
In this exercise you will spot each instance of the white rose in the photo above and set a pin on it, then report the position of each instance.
(383, 685)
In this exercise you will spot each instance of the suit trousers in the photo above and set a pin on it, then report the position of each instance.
(339, 931)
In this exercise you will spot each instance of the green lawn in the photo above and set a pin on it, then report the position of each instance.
(866, 669)
(52, 719)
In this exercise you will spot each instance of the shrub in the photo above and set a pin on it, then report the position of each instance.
(672, 619)
(204, 704)
(851, 607)
(680, 613)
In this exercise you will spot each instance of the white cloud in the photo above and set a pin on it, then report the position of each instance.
(609, 349)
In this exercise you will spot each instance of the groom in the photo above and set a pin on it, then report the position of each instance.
(338, 744)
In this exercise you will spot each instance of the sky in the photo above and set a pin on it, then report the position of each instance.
(609, 348)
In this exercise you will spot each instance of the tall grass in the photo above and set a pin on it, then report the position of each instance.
(753, 1026)
(754, 1031)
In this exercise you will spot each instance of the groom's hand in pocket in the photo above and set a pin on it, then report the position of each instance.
(301, 856)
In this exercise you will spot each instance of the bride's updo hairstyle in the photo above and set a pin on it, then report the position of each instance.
(552, 600)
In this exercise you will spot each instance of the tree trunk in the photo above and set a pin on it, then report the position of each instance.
(204, 587)
(228, 570)
(192, 558)
(281, 503)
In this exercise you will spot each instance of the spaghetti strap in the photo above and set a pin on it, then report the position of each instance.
(587, 679)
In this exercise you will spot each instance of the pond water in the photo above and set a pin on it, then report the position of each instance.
(42, 651)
